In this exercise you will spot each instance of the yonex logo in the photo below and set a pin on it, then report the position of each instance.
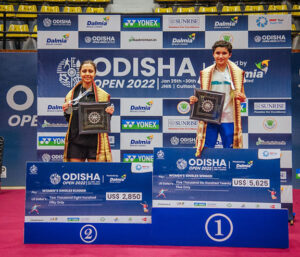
(45, 140)
(142, 23)
(128, 124)
(130, 23)
(130, 158)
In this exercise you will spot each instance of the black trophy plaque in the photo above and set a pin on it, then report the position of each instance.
(209, 106)
(93, 118)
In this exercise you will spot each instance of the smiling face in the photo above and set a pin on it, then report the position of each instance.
(221, 56)
(87, 73)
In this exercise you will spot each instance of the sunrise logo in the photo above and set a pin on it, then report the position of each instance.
(263, 65)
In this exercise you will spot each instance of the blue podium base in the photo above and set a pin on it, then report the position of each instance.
(176, 227)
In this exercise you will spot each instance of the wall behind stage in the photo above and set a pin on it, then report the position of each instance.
(18, 121)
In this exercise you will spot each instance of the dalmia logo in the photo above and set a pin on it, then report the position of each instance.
(184, 41)
(118, 180)
(150, 103)
(263, 65)
(99, 23)
(235, 19)
(192, 36)
(66, 36)
(150, 137)
(259, 73)
(142, 142)
(58, 41)
(140, 108)
(244, 166)
(226, 24)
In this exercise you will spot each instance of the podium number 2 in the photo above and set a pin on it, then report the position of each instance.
(88, 233)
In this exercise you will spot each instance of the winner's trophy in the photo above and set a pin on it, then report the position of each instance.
(93, 118)
(209, 106)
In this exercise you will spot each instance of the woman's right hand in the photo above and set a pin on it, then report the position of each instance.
(193, 99)
(66, 106)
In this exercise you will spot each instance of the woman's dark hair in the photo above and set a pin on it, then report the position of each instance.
(88, 62)
(222, 43)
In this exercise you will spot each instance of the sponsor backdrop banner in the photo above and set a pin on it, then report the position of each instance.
(150, 85)
(18, 121)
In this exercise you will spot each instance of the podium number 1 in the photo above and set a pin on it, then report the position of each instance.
(218, 228)
(218, 218)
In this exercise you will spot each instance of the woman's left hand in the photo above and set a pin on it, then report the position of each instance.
(239, 96)
(110, 110)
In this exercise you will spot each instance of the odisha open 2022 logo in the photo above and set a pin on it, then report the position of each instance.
(68, 72)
